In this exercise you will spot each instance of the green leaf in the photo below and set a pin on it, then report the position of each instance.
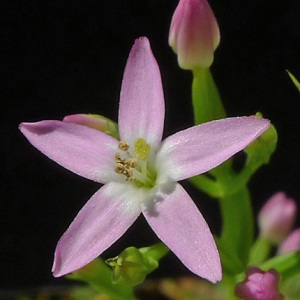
(295, 81)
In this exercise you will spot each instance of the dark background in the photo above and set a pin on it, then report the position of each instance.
(64, 57)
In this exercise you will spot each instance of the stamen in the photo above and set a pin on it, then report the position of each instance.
(131, 162)
(135, 168)
(119, 168)
(123, 146)
(129, 174)
(118, 158)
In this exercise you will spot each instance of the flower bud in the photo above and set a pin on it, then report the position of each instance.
(259, 285)
(290, 243)
(133, 265)
(86, 120)
(277, 217)
(94, 121)
(194, 34)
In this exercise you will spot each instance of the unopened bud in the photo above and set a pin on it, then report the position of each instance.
(290, 243)
(277, 217)
(97, 122)
(259, 285)
(194, 34)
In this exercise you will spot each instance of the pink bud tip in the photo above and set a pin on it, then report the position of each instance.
(259, 285)
(277, 217)
(86, 120)
(194, 34)
(290, 243)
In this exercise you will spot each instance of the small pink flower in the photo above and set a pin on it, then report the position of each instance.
(277, 217)
(290, 243)
(259, 285)
(194, 34)
(140, 171)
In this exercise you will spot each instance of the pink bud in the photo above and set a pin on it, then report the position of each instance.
(259, 285)
(194, 34)
(86, 120)
(277, 217)
(291, 242)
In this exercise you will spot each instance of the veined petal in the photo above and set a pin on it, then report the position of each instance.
(180, 225)
(200, 148)
(82, 150)
(141, 111)
(104, 218)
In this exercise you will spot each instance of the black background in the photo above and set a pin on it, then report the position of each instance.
(64, 57)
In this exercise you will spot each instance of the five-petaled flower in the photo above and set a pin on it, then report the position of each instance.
(140, 172)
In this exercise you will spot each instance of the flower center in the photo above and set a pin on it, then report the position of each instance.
(136, 169)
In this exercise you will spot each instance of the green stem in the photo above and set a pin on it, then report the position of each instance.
(238, 226)
(206, 99)
(207, 185)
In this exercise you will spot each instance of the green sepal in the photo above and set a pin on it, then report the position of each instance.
(133, 264)
(99, 276)
(260, 150)
(258, 153)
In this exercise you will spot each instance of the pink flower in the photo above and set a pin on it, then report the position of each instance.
(277, 217)
(291, 242)
(259, 285)
(140, 172)
(194, 34)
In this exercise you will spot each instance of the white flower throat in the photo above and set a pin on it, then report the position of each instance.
(136, 169)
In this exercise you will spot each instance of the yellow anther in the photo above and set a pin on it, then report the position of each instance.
(129, 174)
(141, 149)
(123, 145)
(118, 158)
(119, 168)
(131, 162)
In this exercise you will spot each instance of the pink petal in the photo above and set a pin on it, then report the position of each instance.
(178, 223)
(82, 150)
(200, 148)
(104, 218)
(141, 111)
